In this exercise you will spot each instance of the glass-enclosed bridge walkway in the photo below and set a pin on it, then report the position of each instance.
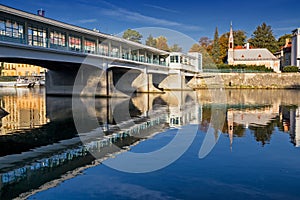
(28, 29)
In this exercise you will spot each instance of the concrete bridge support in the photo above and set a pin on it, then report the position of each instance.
(83, 81)
(144, 84)
(113, 82)
(176, 81)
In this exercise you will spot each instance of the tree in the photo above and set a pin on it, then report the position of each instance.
(282, 39)
(207, 61)
(175, 48)
(132, 35)
(263, 37)
(162, 43)
(205, 42)
(151, 41)
(223, 43)
(216, 47)
(195, 48)
(239, 40)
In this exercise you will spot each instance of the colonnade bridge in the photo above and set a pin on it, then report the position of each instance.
(103, 64)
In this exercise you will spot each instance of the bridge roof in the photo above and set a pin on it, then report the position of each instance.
(71, 27)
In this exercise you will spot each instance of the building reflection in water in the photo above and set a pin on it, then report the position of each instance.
(53, 147)
(260, 114)
(290, 117)
(26, 108)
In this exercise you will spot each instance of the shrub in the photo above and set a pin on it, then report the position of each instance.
(245, 68)
(290, 69)
(8, 78)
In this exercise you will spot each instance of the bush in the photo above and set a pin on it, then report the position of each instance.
(245, 68)
(290, 69)
(8, 78)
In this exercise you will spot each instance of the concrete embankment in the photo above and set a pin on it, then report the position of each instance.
(247, 80)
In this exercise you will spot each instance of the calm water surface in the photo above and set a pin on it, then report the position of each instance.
(256, 152)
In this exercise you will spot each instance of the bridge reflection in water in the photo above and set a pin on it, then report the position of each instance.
(39, 140)
(42, 143)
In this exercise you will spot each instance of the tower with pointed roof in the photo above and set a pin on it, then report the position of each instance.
(230, 58)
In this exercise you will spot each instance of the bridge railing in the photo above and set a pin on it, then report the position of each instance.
(48, 43)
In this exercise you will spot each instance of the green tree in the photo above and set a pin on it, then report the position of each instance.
(282, 39)
(162, 43)
(175, 48)
(151, 41)
(216, 47)
(132, 35)
(263, 37)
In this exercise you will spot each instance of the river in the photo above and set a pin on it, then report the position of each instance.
(206, 144)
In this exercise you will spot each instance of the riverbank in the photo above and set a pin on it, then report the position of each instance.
(247, 80)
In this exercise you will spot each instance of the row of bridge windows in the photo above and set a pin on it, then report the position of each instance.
(11, 30)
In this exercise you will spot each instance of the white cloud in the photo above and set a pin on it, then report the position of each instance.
(85, 21)
(122, 13)
(161, 8)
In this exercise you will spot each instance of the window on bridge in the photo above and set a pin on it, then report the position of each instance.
(89, 46)
(11, 29)
(174, 59)
(75, 43)
(57, 39)
(115, 51)
(37, 36)
(125, 53)
(103, 49)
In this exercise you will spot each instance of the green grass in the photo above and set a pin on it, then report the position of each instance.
(8, 78)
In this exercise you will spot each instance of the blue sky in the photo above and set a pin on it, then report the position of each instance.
(193, 18)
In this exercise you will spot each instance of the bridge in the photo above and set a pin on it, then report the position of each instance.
(96, 63)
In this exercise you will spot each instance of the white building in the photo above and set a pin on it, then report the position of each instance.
(295, 57)
(192, 61)
(251, 56)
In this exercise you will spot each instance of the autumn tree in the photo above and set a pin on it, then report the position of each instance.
(205, 42)
(282, 39)
(175, 48)
(263, 37)
(207, 61)
(239, 40)
(132, 35)
(151, 41)
(162, 43)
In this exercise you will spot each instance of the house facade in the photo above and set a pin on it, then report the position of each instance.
(251, 56)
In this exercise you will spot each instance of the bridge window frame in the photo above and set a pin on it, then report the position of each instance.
(74, 43)
(89, 46)
(57, 39)
(104, 48)
(11, 28)
(37, 36)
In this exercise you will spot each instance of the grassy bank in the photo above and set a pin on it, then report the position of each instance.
(8, 78)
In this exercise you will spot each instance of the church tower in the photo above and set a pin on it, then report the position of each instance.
(230, 53)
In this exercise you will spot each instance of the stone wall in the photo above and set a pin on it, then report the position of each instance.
(247, 80)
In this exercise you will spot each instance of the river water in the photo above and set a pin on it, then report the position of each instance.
(207, 144)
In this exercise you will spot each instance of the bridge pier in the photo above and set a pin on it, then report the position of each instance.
(176, 81)
(144, 84)
(92, 81)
